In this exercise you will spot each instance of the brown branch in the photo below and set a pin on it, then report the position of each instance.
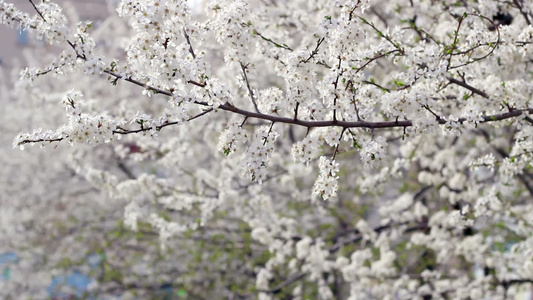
(159, 91)
(468, 87)
(268, 133)
(358, 237)
(252, 96)
(122, 166)
(517, 281)
(335, 84)
(273, 42)
(191, 50)
(292, 278)
(345, 124)
(369, 60)
(311, 124)
(298, 122)
(381, 34)
(37, 10)
(526, 182)
(455, 40)
(78, 55)
(129, 79)
(503, 154)
(41, 141)
(376, 85)
(125, 131)
(437, 117)
(338, 144)
(524, 14)
(495, 45)
(315, 52)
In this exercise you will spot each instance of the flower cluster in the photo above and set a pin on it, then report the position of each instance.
(413, 117)
(326, 184)
(12, 16)
(305, 150)
(81, 127)
(254, 166)
(233, 35)
(373, 151)
(232, 138)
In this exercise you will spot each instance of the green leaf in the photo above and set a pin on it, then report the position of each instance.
(227, 151)
(399, 83)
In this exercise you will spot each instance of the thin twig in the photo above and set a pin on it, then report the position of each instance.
(468, 87)
(286, 282)
(494, 45)
(377, 57)
(338, 144)
(520, 8)
(315, 51)
(36, 9)
(339, 73)
(126, 131)
(268, 133)
(283, 46)
(252, 96)
(191, 50)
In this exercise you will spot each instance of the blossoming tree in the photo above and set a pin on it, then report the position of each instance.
(300, 149)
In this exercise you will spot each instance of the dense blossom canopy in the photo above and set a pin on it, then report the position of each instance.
(283, 149)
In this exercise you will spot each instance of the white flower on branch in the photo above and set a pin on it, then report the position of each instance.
(326, 185)
(415, 118)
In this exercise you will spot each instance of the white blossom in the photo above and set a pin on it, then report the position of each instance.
(326, 184)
